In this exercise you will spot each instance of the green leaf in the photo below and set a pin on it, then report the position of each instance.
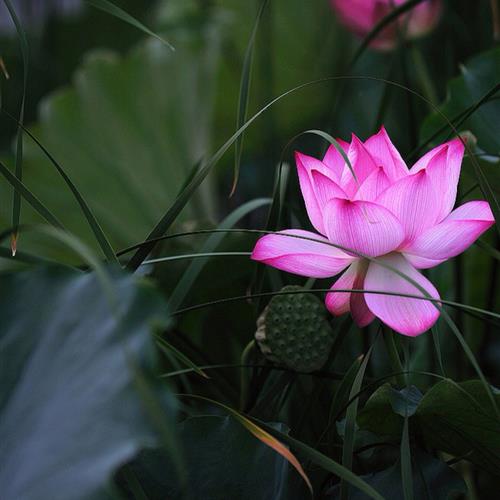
(432, 480)
(378, 416)
(477, 77)
(405, 402)
(460, 419)
(222, 460)
(75, 396)
(127, 122)
(261, 434)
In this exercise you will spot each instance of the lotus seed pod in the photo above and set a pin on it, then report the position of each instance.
(293, 331)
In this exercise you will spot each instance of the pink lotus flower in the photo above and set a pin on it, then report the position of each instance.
(361, 16)
(402, 217)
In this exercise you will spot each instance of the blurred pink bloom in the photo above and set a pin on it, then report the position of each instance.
(361, 16)
(402, 217)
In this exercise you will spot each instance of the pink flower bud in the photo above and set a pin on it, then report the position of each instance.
(361, 16)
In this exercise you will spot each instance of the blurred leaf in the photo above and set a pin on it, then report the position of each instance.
(432, 480)
(127, 132)
(223, 461)
(477, 77)
(460, 419)
(75, 380)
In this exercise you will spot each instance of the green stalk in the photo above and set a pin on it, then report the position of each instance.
(393, 354)
(244, 379)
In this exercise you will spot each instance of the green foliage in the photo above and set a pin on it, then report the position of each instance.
(128, 122)
(223, 460)
(76, 377)
(126, 153)
(378, 415)
(477, 77)
(432, 480)
(459, 419)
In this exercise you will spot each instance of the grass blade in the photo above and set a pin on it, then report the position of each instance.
(337, 146)
(25, 193)
(16, 201)
(342, 392)
(112, 9)
(472, 360)
(324, 462)
(437, 349)
(405, 449)
(272, 223)
(459, 119)
(189, 277)
(246, 77)
(99, 234)
(226, 300)
(350, 424)
(392, 352)
(168, 349)
(88, 256)
(170, 216)
(199, 255)
(492, 251)
(406, 470)
(392, 16)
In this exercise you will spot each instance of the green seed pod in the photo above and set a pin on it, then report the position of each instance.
(293, 331)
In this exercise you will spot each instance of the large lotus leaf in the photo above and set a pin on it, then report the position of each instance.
(74, 376)
(128, 131)
(223, 461)
(455, 418)
(460, 419)
(432, 479)
(478, 76)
